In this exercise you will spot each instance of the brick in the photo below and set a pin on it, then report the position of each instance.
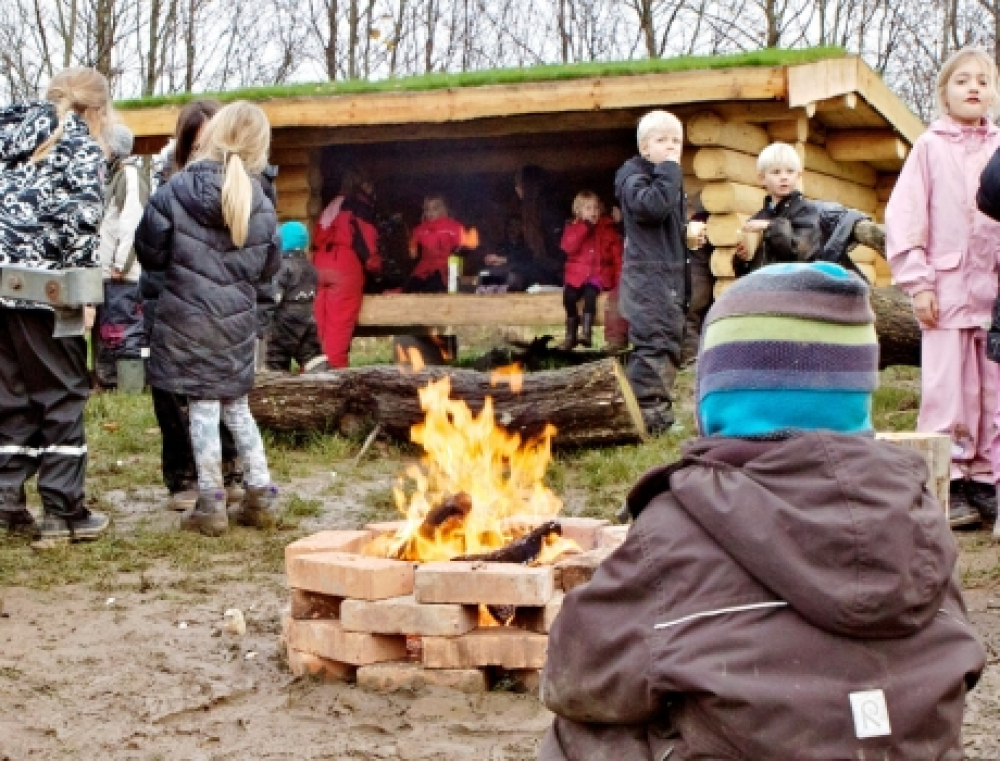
(404, 615)
(358, 576)
(583, 531)
(310, 606)
(386, 528)
(327, 639)
(497, 646)
(307, 664)
(476, 582)
(577, 569)
(391, 677)
(328, 541)
(611, 537)
(523, 681)
(540, 619)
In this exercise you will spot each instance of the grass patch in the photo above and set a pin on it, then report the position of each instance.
(541, 73)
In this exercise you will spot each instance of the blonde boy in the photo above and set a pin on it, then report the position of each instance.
(653, 295)
(789, 225)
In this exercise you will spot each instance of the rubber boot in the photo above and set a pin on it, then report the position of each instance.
(260, 508)
(208, 516)
(85, 528)
(587, 338)
(572, 328)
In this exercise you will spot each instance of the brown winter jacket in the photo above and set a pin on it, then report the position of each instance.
(761, 585)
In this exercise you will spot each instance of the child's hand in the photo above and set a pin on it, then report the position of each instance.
(741, 252)
(756, 225)
(925, 307)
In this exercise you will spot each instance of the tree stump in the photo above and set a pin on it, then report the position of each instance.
(936, 450)
(590, 405)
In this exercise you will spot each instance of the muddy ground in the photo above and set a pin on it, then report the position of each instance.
(114, 650)
(138, 668)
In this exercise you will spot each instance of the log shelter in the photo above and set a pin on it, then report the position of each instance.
(852, 132)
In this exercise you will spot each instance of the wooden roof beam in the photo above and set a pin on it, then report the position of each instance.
(865, 145)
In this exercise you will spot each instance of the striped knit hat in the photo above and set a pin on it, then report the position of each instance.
(791, 346)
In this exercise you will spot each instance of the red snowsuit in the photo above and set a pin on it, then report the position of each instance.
(435, 241)
(340, 274)
(593, 253)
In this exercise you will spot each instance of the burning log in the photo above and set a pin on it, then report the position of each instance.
(590, 405)
(524, 549)
(452, 511)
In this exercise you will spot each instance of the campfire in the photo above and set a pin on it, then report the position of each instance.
(464, 588)
(479, 492)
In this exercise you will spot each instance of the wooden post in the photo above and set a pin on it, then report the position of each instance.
(732, 197)
(865, 145)
(936, 450)
(708, 128)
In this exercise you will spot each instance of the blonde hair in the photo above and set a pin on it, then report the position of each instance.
(84, 91)
(238, 137)
(778, 156)
(581, 198)
(656, 122)
(951, 66)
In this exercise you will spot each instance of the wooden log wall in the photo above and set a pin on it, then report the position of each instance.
(722, 163)
(299, 184)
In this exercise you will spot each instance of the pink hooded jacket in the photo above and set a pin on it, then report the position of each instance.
(936, 238)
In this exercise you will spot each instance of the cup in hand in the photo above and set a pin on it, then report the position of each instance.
(695, 234)
(750, 241)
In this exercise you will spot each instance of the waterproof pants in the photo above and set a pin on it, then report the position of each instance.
(338, 302)
(176, 455)
(292, 335)
(44, 386)
(204, 415)
(656, 329)
(958, 397)
(572, 741)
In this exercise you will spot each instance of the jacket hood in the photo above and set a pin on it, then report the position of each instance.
(949, 128)
(635, 165)
(28, 125)
(199, 191)
(838, 526)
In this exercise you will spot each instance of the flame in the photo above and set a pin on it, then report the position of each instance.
(512, 375)
(470, 460)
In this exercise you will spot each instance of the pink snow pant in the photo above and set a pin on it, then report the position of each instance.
(959, 398)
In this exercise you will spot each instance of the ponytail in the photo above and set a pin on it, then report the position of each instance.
(238, 136)
(84, 91)
(237, 199)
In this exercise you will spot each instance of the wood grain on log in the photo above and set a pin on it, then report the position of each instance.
(590, 405)
(897, 328)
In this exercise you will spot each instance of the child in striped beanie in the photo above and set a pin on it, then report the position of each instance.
(790, 347)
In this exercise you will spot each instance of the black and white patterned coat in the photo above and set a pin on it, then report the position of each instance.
(50, 211)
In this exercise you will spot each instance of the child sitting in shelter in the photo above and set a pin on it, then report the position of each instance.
(593, 251)
(775, 636)
(293, 334)
(432, 243)
(788, 226)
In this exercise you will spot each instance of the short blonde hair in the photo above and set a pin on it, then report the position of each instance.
(581, 198)
(778, 156)
(238, 137)
(656, 122)
(85, 91)
(951, 66)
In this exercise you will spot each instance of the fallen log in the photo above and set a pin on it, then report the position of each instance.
(897, 328)
(590, 405)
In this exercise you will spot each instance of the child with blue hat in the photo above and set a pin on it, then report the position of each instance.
(292, 334)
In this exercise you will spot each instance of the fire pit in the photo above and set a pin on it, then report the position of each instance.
(462, 591)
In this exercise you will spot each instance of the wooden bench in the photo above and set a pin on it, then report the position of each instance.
(438, 313)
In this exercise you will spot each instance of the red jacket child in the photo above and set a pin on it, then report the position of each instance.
(593, 253)
(435, 240)
(345, 246)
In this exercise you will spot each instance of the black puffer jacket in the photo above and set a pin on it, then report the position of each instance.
(202, 343)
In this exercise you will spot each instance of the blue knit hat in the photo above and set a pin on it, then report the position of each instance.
(791, 346)
(294, 237)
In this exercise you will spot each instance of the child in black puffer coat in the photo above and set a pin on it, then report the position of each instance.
(214, 233)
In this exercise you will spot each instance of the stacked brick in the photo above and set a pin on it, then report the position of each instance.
(391, 624)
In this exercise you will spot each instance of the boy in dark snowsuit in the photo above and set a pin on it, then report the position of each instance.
(654, 274)
(292, 334)
(787, 589)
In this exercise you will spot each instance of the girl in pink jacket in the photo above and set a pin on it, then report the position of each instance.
(944, 253)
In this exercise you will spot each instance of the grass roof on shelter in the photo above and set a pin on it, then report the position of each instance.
(541, 73)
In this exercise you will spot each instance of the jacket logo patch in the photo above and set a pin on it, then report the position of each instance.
(871, 714)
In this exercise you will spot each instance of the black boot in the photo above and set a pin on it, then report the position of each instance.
(983, 498)
(960, 513)
(20, 522)
(572, 328)
(587, 339)
(86, 527)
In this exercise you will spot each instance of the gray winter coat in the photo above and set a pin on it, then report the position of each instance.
(202, 342)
